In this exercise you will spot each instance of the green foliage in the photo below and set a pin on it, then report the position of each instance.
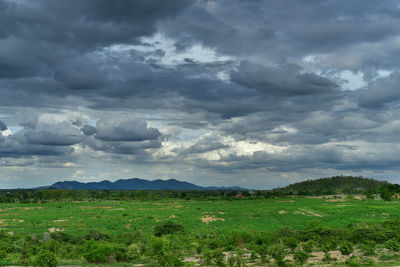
(346, 248)
(300, 256)
(46, 259)
(368, 248)
(335, 185)
(291, 242)
(385, 194)
(168, 227)
(353, 261)
(100, 252)
(134, 252)
(278, 253)
(392, 244)
(308, 246)
(213, 256)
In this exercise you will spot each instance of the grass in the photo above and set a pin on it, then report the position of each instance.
(238, 215)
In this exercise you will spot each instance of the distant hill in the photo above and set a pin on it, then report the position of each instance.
(336, 185)
(134, 184)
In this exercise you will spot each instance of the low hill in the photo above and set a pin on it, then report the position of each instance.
(133, 184)
(336, 185)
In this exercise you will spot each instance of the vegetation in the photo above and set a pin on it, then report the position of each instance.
(186, 228)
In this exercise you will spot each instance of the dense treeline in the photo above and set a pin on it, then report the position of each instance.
(323, 186)
(338, 185)
(44, 195)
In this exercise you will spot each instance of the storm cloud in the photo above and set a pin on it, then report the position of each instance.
(213, 92)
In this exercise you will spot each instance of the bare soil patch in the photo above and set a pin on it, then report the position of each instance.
(53, 229)
(313, 213)
(207, 219)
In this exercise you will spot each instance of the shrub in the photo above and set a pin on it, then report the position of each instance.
(46, 259)
(134, 252)
(346, 248)
(291, 242)
(392, 244)
(97, 235)
(278, 253)
(300, 256)
(98, 252)
(168, 227)
(353, 261)
(213, 256)
(170, 259)
(385, 194)
(368, 248)
(308, 246)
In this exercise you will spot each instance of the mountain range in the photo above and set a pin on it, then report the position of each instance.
(134, 184)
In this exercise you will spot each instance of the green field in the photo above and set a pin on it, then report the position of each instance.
(75, 232)
(251, 215)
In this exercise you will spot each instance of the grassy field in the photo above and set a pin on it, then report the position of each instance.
(209, 230)
(196, 216)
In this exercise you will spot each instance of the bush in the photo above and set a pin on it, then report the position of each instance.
(278, 253)
(213, 256)
(353, 261)
(97, 252)
(134, 252)
(300, 257)
(368, 248)
(97, 235)
(392, 244)
(46, 259)
(346, 248)
(291, 242)
(308, 246)
(168, 227)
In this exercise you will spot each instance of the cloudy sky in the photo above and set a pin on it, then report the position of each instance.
(227, 92)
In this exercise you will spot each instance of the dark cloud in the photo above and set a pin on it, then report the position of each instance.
(284, 80)
(3, 126)
(127, 130)
(381, 92)
(226, 86)
(58, 134)
(88, 24)
(89, 130)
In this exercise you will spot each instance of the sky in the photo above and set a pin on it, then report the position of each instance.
(257, 93)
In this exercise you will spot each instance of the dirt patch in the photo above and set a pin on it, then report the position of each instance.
(21, 221)
(172, 216)
(313, 213)
(118, 209)
(316, 257)
(283, 212)
(53, 229)
(299, 212)
(56, 221)
(286, 201)
(32, 208)
(207, 219)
